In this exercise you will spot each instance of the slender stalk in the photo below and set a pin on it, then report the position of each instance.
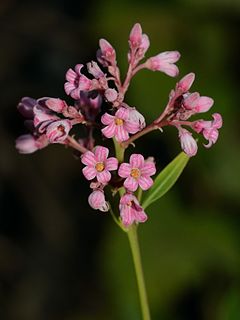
(133, 240)
(75, 145)
(119, 151)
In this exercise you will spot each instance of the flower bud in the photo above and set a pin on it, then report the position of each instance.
(97, 201)
(188, 143)
(186, 82)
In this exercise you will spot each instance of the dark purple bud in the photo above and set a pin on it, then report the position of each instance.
(25, 107)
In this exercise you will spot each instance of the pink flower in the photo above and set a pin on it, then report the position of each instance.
(139, 44)
(119, 125)
(43, 117)
(164, 62)
(186, 82)
(56, 105)
(196, 103)
(188, 143)
(98, 164)
(111, 95)
(97, 201)
(76, 82)
(57, 131)
(29, 144)
(209, 129)
(130, 210)
(137, 172)
(94, 70)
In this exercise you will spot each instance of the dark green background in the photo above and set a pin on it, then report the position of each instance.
(59, 259)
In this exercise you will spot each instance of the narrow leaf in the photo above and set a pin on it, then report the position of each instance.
(166, 179)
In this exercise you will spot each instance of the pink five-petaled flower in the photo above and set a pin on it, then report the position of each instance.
(188, 143)
(97, 201)
(98, 165)
(130, 210)
(119, 125)
(137, 172)
(76, 82)
(209, 129)
(164, 62)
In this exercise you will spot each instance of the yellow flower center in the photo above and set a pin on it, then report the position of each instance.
(135, 173)
(119, 122)
(100, 166)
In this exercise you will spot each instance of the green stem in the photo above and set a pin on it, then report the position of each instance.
(119, 151)
(133, 240)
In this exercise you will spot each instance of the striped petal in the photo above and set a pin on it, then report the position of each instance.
(89, 172)
(148, 168)
(107, 118)
(122, 113)
(101, 153)
(131, 184)
(145, 182)
(136, 160)
(121, 133)
(109, 131)
(124, 170)
(89, 159)
(104, 176)
(111, 164)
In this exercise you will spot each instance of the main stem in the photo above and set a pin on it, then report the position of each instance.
(133, 240)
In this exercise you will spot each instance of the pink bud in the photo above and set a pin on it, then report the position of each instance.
(135, 37)
(94, 70)
(26, 144)
(186, 82)
(164, 62)
(111, 95)
(136, 117)
(217, 120)
(188, 143)
(204, 104)
(97, 201)
(107, 51)
(56, 104)
(58, 131)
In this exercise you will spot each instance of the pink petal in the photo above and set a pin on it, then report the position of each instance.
(71, 75)
(135, 37)
(110, 130)
(78, 68)
(121, 133)
(89, 159)
(186, 82)
(136, 160)
(168, 56)
(217, 122)
(69, 87)
(169, 69)
(148, 168)
(191, 100)
(111, 164)
(104, 176)
(89, 172)
(145, 182)
(204, 104)
(131, 184)
(131, 127)
(140, 216)
(56, 104)
(127, 215)
(124, 170)
(101, 153)
(122, 113)
(107, 119)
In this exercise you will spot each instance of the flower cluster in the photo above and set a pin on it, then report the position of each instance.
(98, 103)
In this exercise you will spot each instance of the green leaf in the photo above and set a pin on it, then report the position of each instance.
(166, 179)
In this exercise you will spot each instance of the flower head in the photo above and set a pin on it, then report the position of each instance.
(137, 172)
(98, 165)
(119, 125)
(130, 210)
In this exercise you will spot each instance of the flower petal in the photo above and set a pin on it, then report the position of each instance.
(111, 164)
(104, 176)
(136, 160)
(101, 153)
(121, 133)
(124, 170)
(122, 113)
(109, 131)
(145, 182)
(148, 168)
(89, 172)
(89, 159)
(131, 184)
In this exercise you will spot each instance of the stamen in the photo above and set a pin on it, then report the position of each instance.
(100, 166)
(135, 173)
(119, 122)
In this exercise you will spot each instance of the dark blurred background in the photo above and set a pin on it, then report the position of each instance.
(59, 259)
